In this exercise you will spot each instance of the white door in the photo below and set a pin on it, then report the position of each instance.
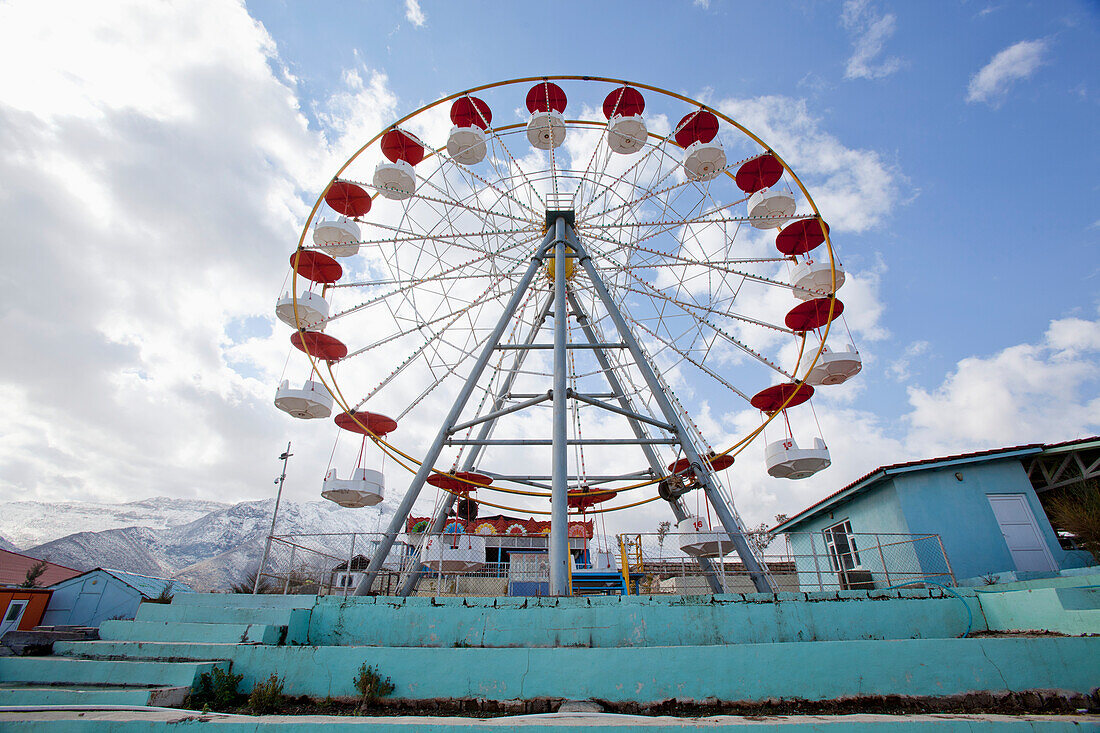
(1021, 532)
(13, 616)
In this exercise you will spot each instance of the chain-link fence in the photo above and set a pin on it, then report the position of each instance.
(637, 563)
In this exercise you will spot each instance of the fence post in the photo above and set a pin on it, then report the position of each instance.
(290, 570)
(351, 556)
(946, 561)
(878, 542)
(817, 566)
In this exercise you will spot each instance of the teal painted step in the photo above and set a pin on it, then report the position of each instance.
(243, 600)
(92, 695)
(66, 670)
(1064, 610)
(150, 721)
(1079, 599)
(295, 619)
(135, 650)
(218, 615)
(738, 672)
(191, 631)
(622, 621)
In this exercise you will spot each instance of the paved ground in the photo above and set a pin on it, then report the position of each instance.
(153, 718)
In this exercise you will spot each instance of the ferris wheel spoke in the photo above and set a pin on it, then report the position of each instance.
(498, 140)
(487, 184)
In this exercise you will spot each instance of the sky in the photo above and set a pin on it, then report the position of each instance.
(160, 159)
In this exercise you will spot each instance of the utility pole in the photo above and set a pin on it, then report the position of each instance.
(274, 514)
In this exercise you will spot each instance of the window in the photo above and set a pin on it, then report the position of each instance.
(15, 610)
(841, 544)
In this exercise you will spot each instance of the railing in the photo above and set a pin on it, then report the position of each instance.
(651, 563)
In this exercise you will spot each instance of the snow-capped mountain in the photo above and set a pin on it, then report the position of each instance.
(212, 551)
(29, 523)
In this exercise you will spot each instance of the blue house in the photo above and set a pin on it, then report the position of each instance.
(957, 518)
(101, 594)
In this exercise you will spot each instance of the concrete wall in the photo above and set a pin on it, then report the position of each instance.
(614, 621)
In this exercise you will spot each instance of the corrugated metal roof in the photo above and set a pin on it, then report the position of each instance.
(147, 585)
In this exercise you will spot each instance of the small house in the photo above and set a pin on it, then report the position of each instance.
(961, 518)
(101, 594)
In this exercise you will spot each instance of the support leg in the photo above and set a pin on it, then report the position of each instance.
(559, 483)
(697, 464)
(417, 483)
(475, 450)
(626, 403)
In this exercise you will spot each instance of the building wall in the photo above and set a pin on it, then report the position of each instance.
(90, 599)
(935, 501)
(877, 511)
(32, 615)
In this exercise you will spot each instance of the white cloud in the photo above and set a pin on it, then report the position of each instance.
(1040, 392)
(901, 368)
(1018, 61)
(163, 165)
(871, 31)
(854, 189)
(414, 14)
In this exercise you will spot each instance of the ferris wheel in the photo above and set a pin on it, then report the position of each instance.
(552, 276)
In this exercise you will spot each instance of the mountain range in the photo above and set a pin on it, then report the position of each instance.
(209, 545)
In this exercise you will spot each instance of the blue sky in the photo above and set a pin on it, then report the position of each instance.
(166, 155)
(996, 226)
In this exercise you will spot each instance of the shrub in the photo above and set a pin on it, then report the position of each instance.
(217, 689)
(34, 572)
(267, 696)
(1077, 511)
(371, 686)
(165, 595)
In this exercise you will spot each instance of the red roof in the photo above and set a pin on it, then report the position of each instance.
(14, 567)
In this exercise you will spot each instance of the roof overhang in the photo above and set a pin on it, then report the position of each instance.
(872, 479)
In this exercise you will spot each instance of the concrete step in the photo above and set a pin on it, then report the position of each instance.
(244, 600)
(67, 670)
(91, 695)
(191, 631)
(746, 672)
(161, 612)
(1063, 610)
(151, 650)
(622, 621)
(1079, 599)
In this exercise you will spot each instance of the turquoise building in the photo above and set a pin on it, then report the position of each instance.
(962, 518)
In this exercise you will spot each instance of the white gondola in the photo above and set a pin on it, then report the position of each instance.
(312, 311)
(835, 367)
(626, 134)
(309, 402)
(453, 553)
(546, 130)
(770, 209)
(339, 237)
(395, 181)
(699, 541)
(466, 145)
(704, 161)
(364, 488)
(814, 279)
(786, 460)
